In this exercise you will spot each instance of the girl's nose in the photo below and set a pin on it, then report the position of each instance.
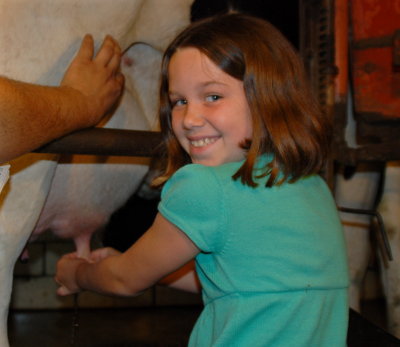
(193, 117)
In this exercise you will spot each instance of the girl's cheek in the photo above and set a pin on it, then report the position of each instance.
(176, 127)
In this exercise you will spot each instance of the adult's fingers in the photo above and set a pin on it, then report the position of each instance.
(108, 50)
(86, 50)
(120, 78)
(115, 61)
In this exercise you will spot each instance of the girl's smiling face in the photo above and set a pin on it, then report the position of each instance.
(210, 113)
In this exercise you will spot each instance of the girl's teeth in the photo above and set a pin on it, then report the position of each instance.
(202, 142)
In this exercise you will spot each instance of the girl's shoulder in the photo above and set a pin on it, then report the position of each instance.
(201, 172)
(192, 199)
(191, 179)
(200, 181)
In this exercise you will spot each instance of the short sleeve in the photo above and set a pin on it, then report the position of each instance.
(4, 174)
(192, 200)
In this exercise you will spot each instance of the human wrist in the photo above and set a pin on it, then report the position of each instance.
(80, 275)
(79, 113)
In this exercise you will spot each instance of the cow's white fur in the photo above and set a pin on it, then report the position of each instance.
(360, 192)
(389, 208)
(38, 39)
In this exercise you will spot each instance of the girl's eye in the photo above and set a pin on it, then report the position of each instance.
(212, 98)
(178, 102)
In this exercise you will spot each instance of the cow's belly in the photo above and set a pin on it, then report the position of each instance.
(87, 189)
(38, 40)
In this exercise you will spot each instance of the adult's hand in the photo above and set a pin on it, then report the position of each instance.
(97, 78)
(32, 115)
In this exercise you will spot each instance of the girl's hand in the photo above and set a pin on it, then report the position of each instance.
(68, 265)
(65, 276)
(102, 253)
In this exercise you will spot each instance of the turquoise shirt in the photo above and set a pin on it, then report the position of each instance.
(272, 264)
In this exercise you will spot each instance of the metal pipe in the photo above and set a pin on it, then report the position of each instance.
(101, 141)
(381, 226)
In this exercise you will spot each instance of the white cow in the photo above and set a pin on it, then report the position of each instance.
(389, 208)
(360, 192)
(37, 40)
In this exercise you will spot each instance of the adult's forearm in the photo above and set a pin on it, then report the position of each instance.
(32, 115)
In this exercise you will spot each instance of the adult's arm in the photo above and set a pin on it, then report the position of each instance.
(32, 115)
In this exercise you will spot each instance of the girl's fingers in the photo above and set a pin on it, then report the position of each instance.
(63, 291)
(102, 253)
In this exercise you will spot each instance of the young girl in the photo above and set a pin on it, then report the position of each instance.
(241, 195)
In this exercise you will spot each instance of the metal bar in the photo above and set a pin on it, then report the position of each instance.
(101, 141)
(381, 225)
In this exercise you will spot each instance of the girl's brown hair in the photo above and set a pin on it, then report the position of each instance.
(287, 121)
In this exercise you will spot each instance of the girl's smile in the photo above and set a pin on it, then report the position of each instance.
(210, 114)
(203, 142)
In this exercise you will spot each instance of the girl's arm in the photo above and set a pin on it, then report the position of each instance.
(163, 249)
(184, 279)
